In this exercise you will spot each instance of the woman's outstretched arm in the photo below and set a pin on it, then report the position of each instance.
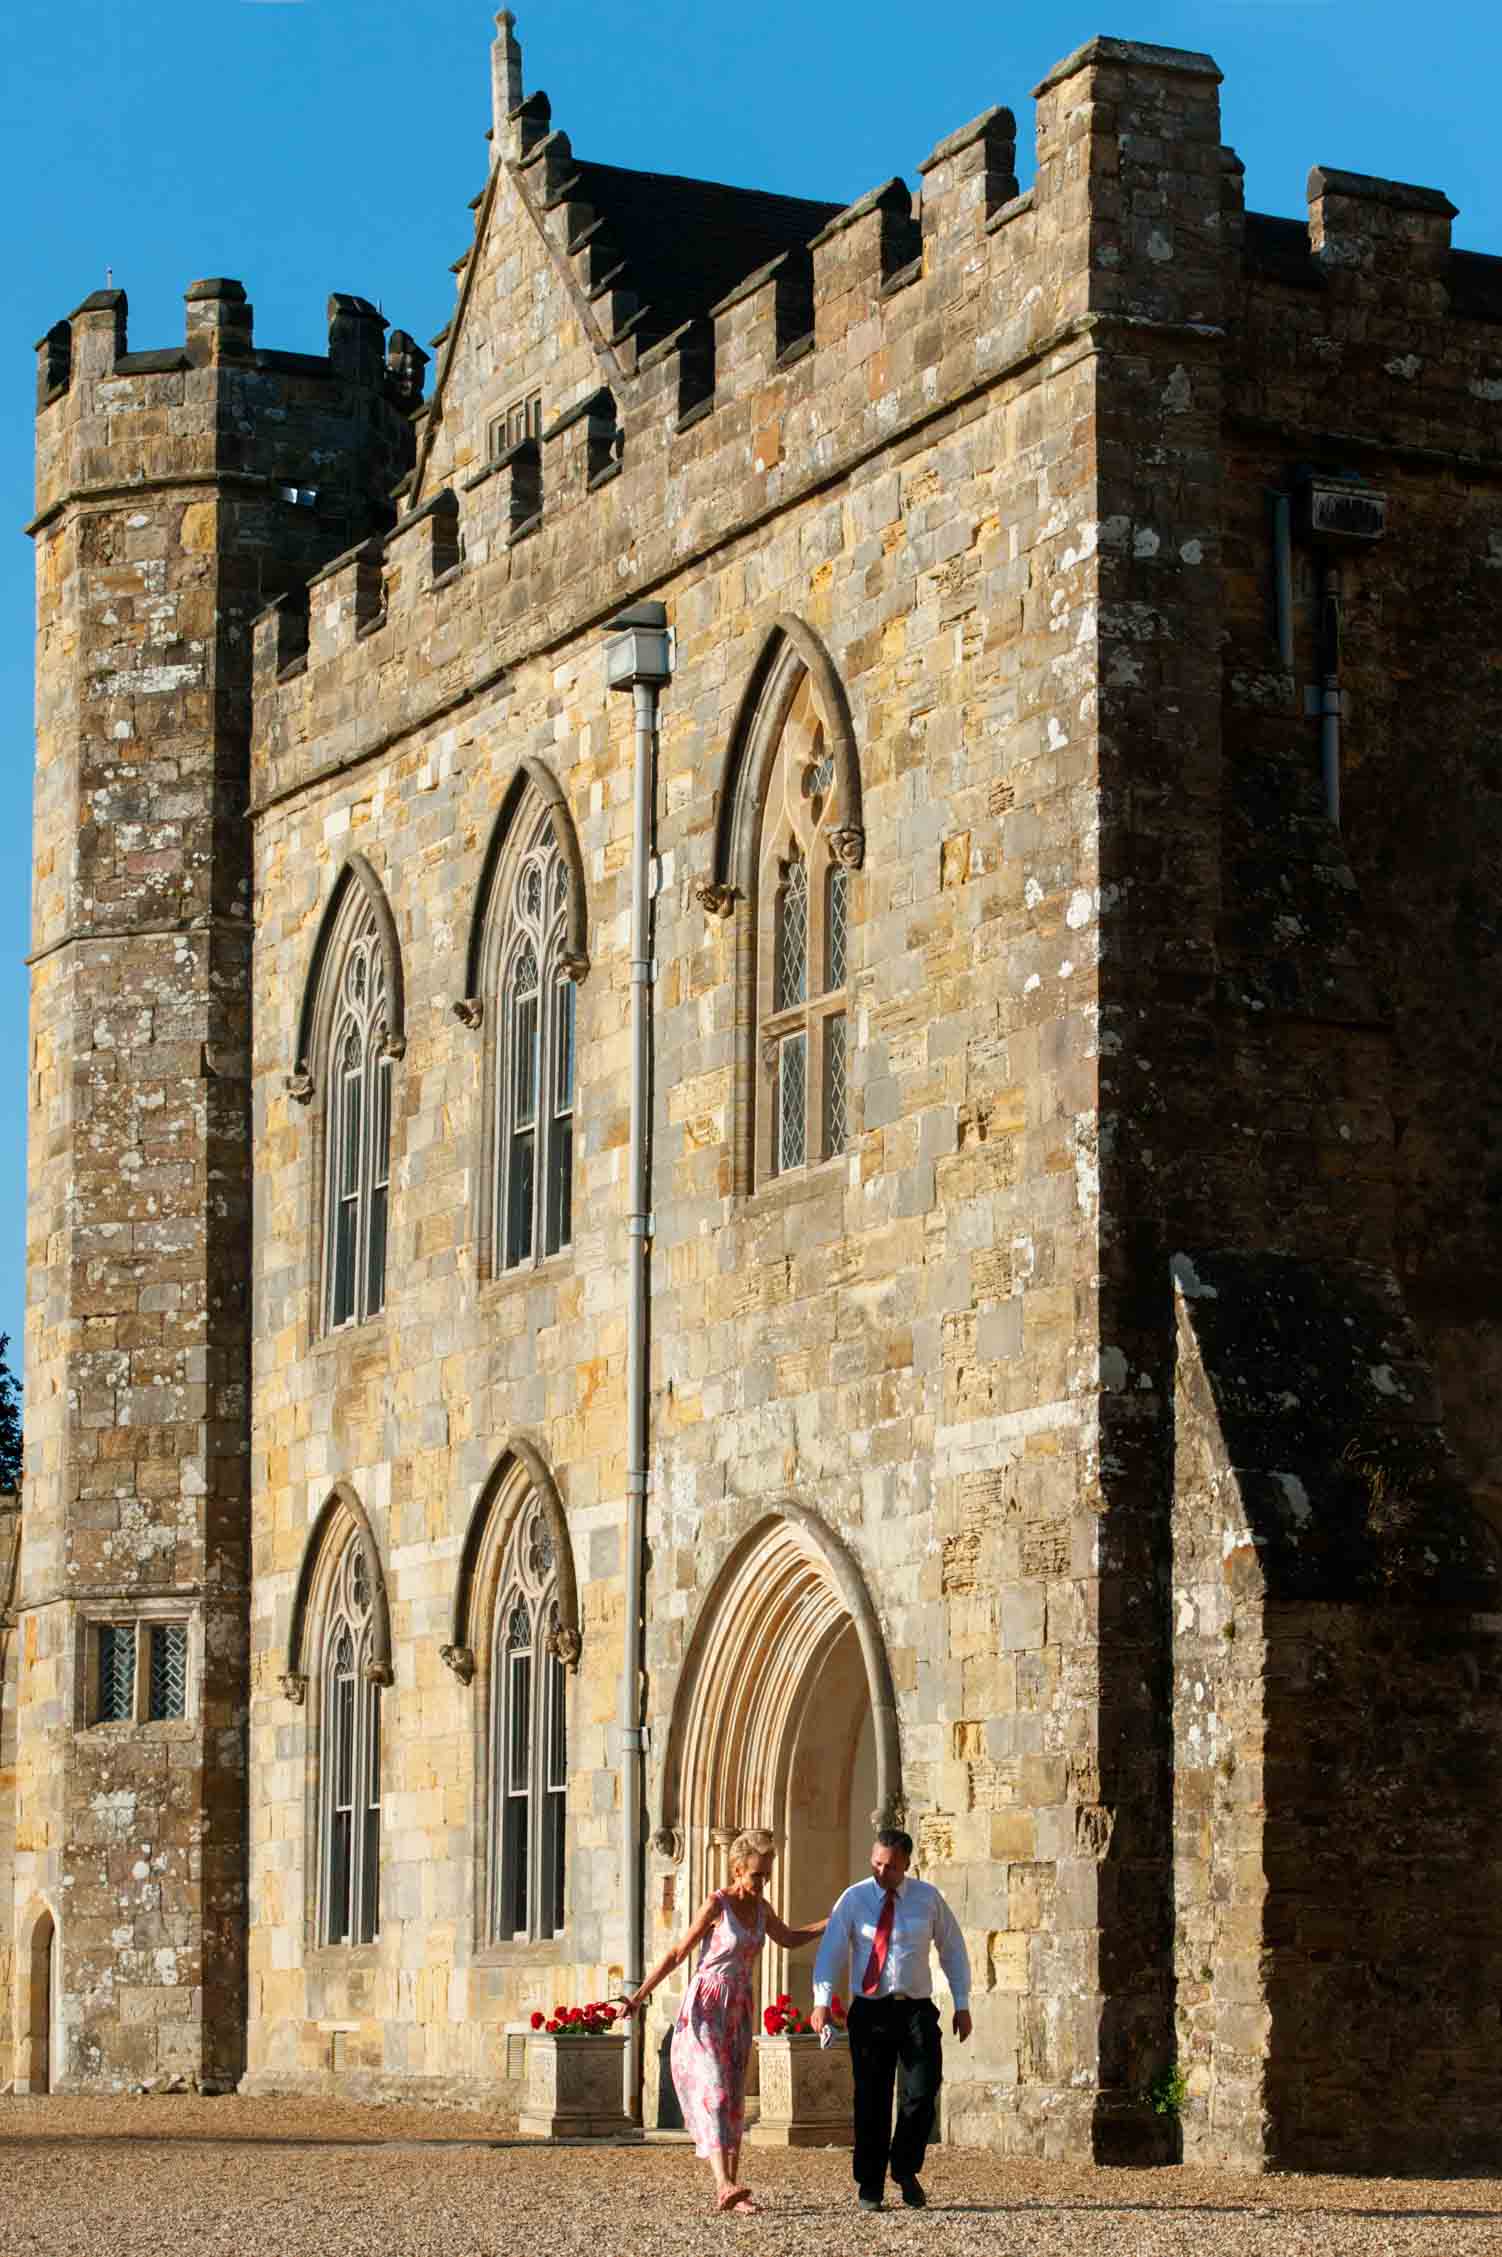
(793, 1939)
(704, 1920)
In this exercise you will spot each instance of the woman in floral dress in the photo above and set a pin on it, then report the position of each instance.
(712, 2039)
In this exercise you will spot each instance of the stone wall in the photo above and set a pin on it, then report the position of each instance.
(998, 486)
(897, 1341)
(10, 1541)
(1376, 351)
(1336, 1732)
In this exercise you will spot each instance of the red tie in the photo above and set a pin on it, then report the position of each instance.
(871, 1980)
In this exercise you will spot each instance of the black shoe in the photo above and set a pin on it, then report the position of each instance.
(913, 2195)
(870, 2197)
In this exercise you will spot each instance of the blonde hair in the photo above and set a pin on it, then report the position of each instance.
(754, 1842)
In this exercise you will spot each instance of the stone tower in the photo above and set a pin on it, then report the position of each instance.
(177, 492)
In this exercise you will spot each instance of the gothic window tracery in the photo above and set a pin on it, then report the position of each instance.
(528, 1739)
(350, 1770)
(535, 1064)
(803, 927)
(358, 1133)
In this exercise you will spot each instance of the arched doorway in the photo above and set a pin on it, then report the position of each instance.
(785, 1718)
(39, 2052)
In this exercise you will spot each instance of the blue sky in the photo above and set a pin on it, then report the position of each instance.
(315, 145)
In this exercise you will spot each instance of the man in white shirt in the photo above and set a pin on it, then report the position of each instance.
(883, 1931)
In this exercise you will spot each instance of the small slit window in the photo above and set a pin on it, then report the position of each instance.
(522, 420)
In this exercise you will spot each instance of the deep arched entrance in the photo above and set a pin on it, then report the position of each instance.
(784, 1718)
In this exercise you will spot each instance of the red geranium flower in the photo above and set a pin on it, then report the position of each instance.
(592, 2021)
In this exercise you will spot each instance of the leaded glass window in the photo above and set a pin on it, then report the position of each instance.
(792, 1101)
(138, 1672)
(803, 944)
(117, 1673)
(529, 1740)
(836, 922)
(836, 1100)
(359, 1134)
(350, 1768)
(167, 1680)
(791, 983)
(535, 1062)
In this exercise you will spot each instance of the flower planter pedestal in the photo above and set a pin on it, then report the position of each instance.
(576, 2089)
(806, 2094)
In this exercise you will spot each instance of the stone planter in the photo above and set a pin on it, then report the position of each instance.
(805, 2093)
(576, 2089)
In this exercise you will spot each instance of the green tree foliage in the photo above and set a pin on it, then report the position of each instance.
(10, 1421)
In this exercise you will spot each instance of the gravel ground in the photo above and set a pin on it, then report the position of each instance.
(147, 2177)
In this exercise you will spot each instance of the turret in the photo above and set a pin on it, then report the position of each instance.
(176, 491)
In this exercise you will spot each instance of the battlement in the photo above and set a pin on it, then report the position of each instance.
(308, 426)
(889, 314)
(92, 343)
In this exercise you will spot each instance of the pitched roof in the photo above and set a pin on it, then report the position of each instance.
(687, 243)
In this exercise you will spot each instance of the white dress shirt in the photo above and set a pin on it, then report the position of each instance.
(921, 1922)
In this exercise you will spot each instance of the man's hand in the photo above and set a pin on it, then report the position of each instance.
(963, 2024)
(818, 2021)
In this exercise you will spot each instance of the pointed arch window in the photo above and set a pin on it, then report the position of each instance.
(802, 956)
(358, 1139)
(350, 1771)
(528, 1739)
(533, 1202)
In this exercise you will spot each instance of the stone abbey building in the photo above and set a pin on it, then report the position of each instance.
(764, 1087)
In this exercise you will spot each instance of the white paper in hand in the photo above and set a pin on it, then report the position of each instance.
(826, 2035)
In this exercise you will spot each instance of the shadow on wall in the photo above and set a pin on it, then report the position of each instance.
(1338, 1734)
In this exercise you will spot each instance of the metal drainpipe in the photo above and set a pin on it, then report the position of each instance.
(639, 658)
(1329, 726)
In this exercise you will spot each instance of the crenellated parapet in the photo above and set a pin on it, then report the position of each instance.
(323, 437)
(894, 312)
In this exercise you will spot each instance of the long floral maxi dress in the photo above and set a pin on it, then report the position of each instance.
(711, 2047)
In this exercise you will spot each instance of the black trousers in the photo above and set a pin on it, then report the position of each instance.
(888, 2035)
